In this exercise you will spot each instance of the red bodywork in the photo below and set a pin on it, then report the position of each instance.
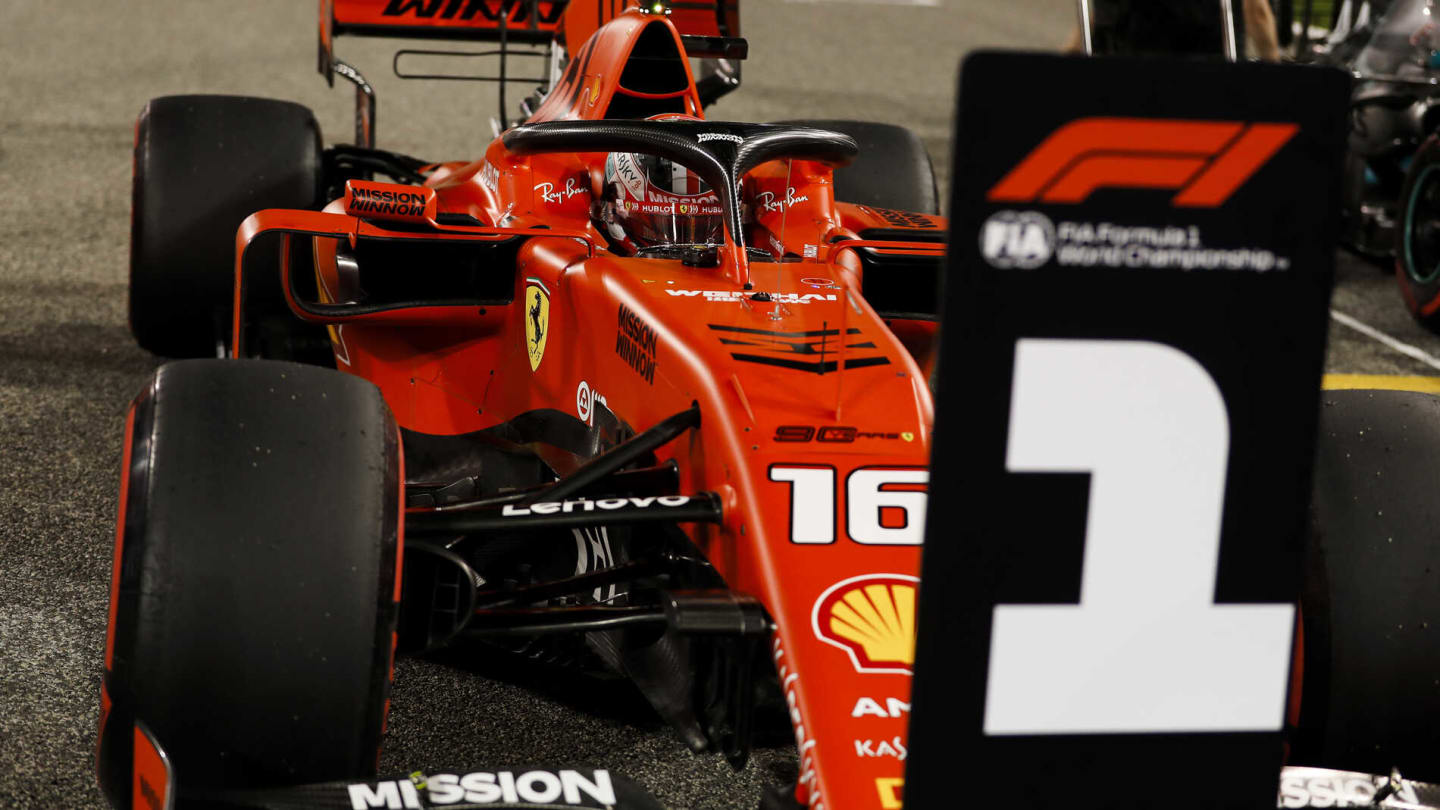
(816, 413)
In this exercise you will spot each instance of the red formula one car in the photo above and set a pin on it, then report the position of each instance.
(632, 391)
(642, 393)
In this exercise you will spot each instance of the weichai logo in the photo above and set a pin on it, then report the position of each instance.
(1206, 161)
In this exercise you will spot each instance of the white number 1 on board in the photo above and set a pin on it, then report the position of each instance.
(1146, 649)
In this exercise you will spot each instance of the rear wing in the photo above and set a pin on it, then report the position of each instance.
(709, 27)
(709, 30)
(530, 21)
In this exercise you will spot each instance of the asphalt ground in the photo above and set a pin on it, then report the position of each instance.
(73, 76)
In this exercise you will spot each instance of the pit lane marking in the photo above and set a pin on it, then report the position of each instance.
(1381, 382)
(1386, 340)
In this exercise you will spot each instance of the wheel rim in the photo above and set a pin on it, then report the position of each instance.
(1422, 228)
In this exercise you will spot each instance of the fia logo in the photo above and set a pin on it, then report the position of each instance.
(1020, 239)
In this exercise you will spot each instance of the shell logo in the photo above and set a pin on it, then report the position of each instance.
(871, 618)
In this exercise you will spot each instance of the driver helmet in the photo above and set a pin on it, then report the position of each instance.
(651, 201)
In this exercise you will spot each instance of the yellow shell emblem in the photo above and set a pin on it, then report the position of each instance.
(537, 321)
(871, 618)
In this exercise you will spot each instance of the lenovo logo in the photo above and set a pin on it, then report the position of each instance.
(1205, 160)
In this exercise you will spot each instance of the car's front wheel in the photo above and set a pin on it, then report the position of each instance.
(1371, 604)
(253, 600)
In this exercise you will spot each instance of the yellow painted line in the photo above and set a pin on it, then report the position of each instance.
(1383, 382)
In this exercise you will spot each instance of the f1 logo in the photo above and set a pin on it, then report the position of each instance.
(1206, 160)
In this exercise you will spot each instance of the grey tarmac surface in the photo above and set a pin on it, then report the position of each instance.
(73, 76)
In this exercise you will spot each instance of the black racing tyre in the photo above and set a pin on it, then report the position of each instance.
(893, 170)
(202, 164)
(1417, 238)
(254, 594)
(1371, 602)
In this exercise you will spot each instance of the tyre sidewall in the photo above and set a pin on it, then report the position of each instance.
(1422, 294)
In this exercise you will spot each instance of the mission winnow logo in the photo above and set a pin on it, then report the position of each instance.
(393, 203)
(635, 343)
(525, 788)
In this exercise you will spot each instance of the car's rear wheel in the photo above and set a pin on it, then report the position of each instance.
(1417, 249)
(893, 169)
(1371, 604)
(253, 601)
(202, 164)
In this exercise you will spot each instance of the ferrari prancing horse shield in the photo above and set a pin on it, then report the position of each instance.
(537, 320)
